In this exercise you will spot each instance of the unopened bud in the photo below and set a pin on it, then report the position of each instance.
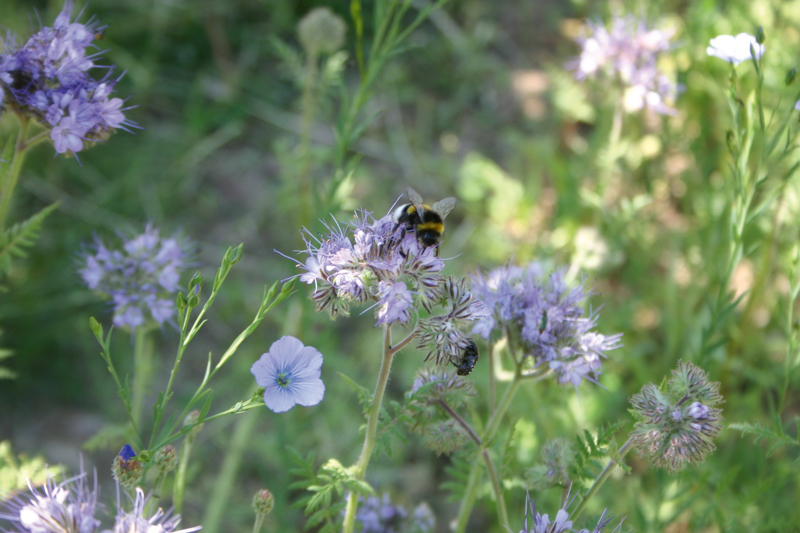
(321, 31)
(166, 459)
(191, 420)
(263, 502)
(760, 37)
(791, 76)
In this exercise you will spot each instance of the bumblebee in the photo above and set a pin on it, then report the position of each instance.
(427, 222)
(468, 359)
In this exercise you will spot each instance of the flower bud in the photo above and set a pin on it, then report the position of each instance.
(321, 31)
(760, 37)
(127, 470)
(444, 437)
(791, 76)
(166, 459)
(192, 419)
(263, 502)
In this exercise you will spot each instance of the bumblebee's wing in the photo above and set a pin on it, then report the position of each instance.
(416, 200)
(443, 207)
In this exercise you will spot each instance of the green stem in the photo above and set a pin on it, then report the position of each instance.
(491, 428)
(13, 173)
(601, 479)
(219, 500)
(468, 500)
(142, 368)
(497, 487)
(183, 466)
(308, 107)
(360, 468)
(258, 523)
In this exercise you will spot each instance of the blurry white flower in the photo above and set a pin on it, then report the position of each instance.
(735, 49)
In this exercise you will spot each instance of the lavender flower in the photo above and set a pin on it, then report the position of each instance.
(544, 320)
(678, 421)
(47, 79)
(141, 279)
(735, 49)
(67, 507)
(136, 521)
(379, 515)
(628, 53)
(290, 372)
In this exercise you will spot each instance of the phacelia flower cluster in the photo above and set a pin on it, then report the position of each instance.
(374, 261)
(70, 506)
(678, 421)
(141, 279)
(628, 53)
(544, 319)
(379, 515)
(47, 79)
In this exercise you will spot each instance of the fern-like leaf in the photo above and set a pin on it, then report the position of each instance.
(18, 237)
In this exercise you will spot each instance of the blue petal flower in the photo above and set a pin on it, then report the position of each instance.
(290, 372)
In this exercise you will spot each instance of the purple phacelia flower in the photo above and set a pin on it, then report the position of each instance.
(66, 506)
(544, 319)
(290, 374)
(628, 53)
(47, 79)
(141, 279)
(365, 262)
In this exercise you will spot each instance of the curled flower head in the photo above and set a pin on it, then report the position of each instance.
(735, 49)
(321, 30)
(141, 279)
(47, 79)
(544, 319)
(628, 52)
(136, 521)
(290, 374)
(678, 421)
(435, 384)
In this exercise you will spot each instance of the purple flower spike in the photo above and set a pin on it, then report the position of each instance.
(290, 372)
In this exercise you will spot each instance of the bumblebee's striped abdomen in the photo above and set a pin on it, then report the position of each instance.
(437, 227)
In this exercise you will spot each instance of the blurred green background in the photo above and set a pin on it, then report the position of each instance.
(480, 106)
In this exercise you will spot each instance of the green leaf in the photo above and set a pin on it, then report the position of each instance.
(18, 237)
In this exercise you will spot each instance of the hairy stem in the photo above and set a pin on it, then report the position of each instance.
(360, 468)
(601, 479)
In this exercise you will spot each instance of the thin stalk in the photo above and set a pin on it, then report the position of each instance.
(220, 497)
(601, 479)
(468, 500)
(491, 428)
(492, 385)
(258, 523)
(308, 106)
(497, 487)
(142, 368)
(13, 173)
(360, 468)
(183, 465)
